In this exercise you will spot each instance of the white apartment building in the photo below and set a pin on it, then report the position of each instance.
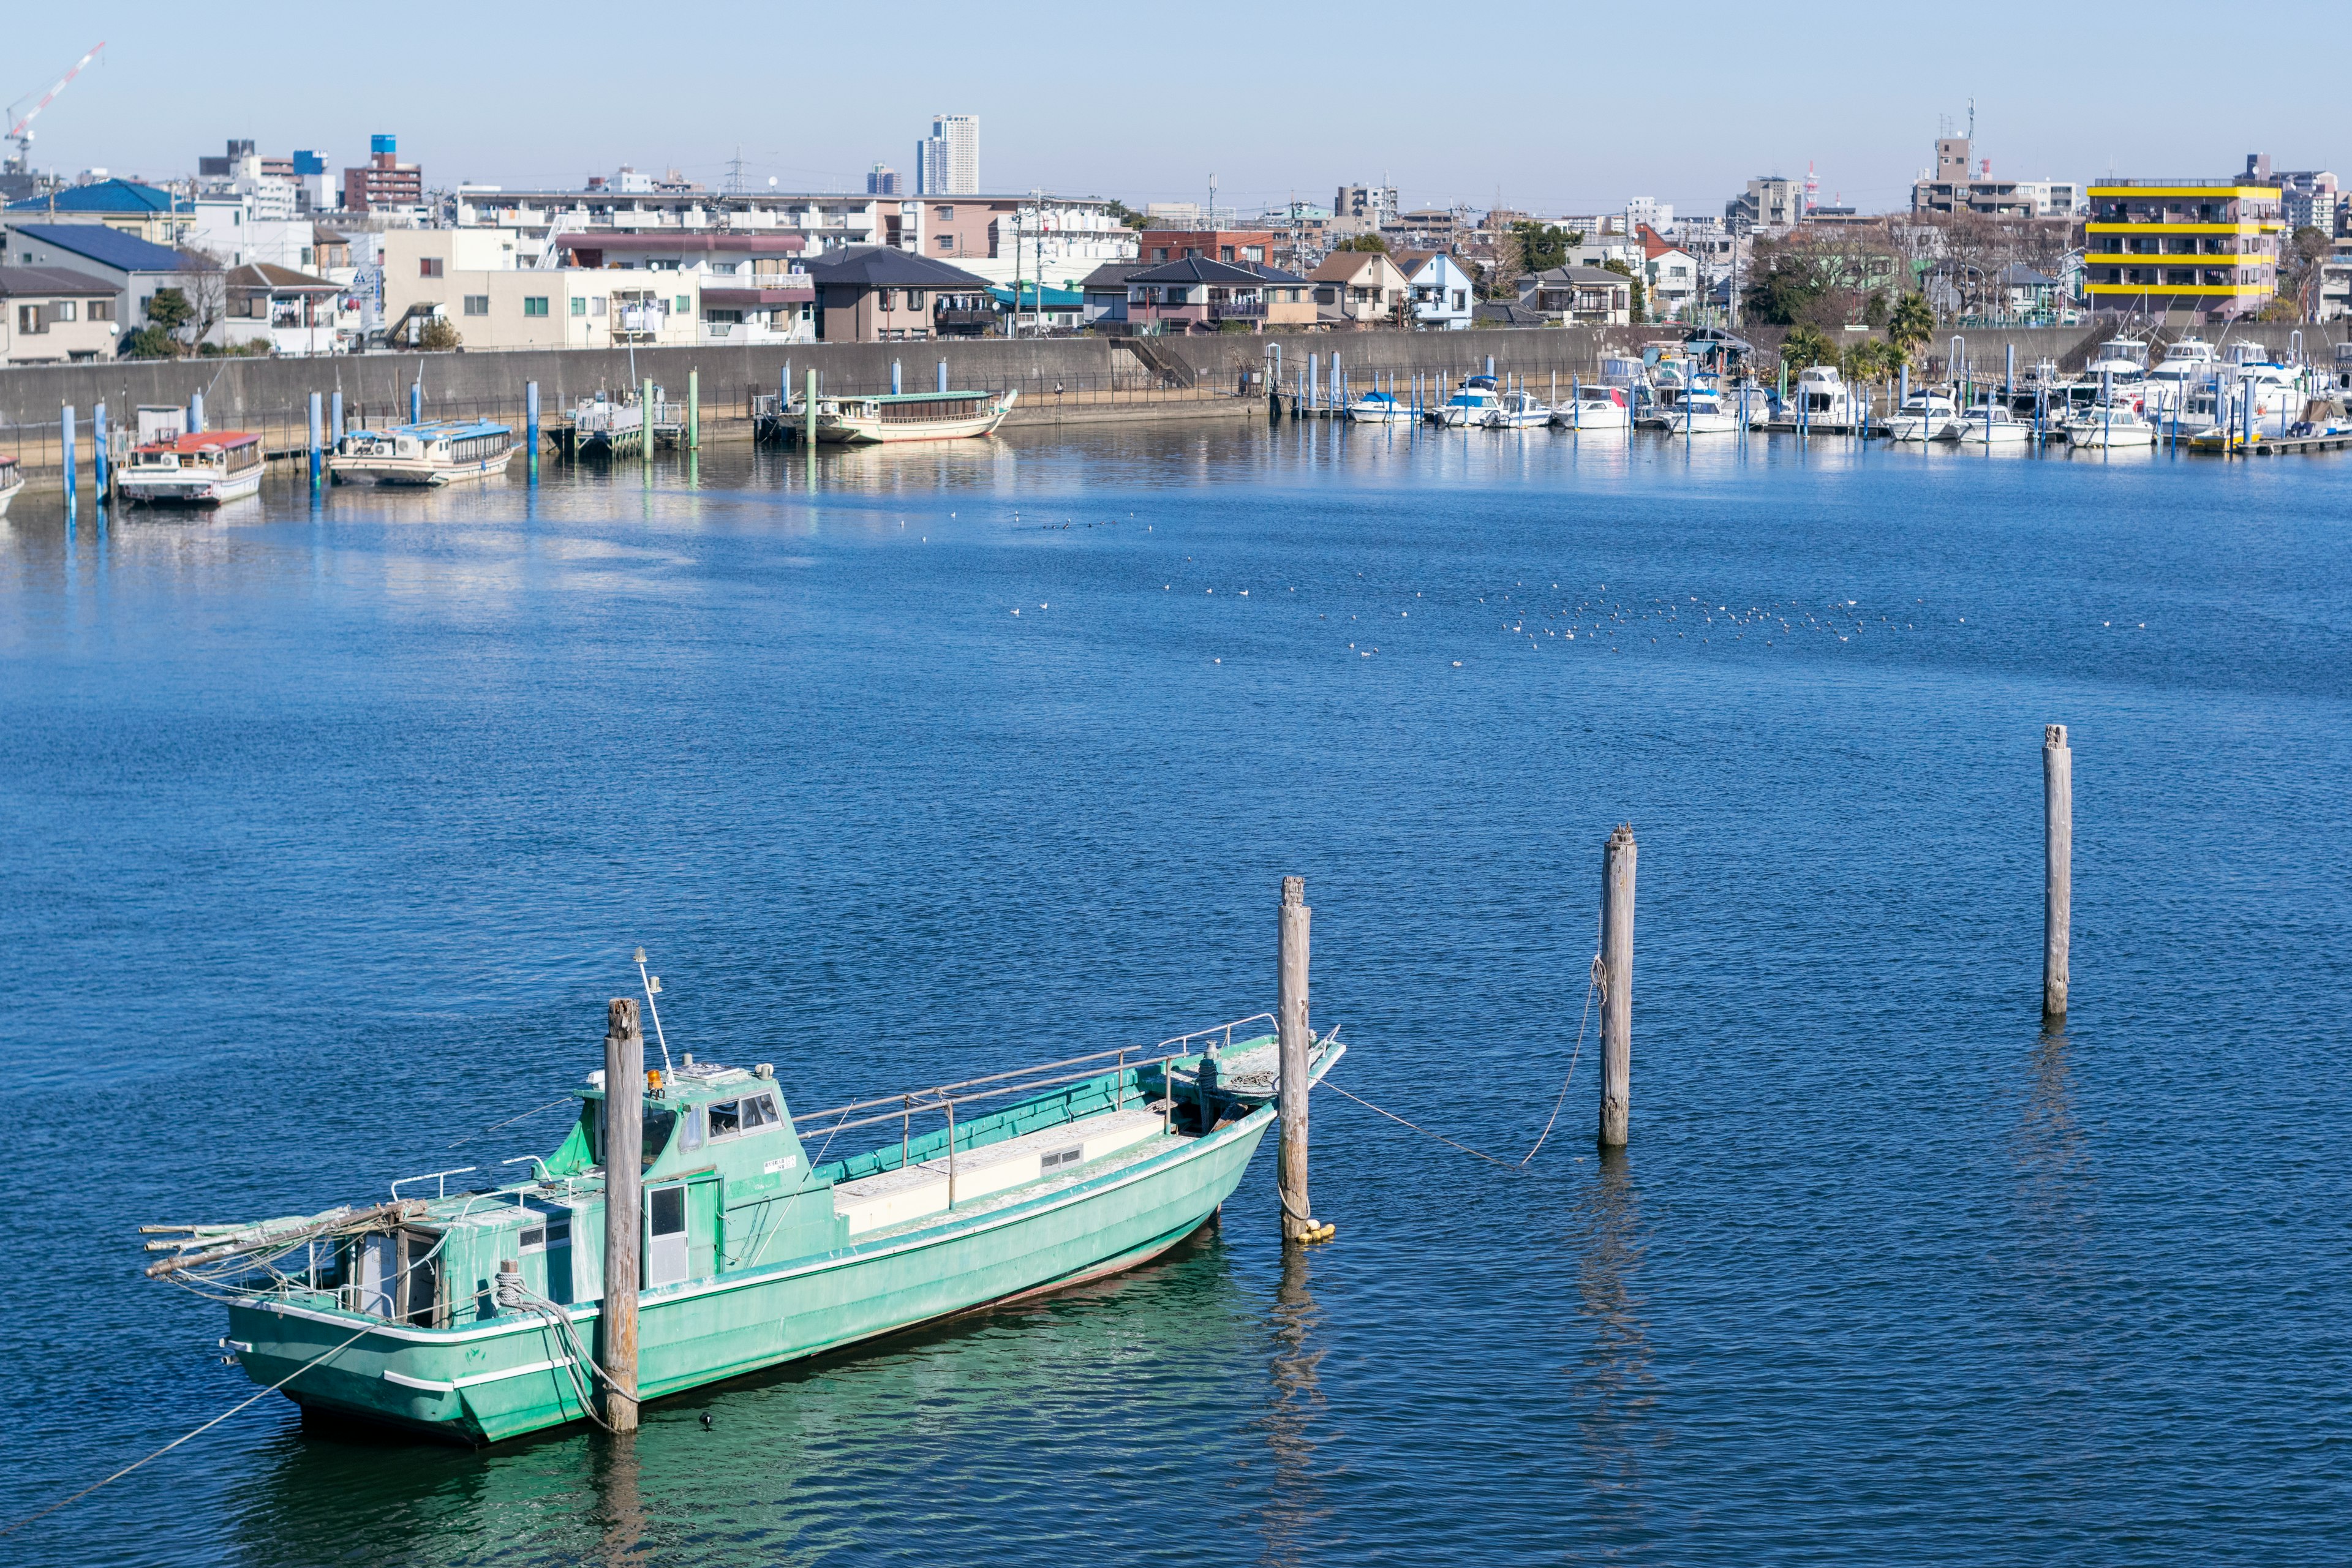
(823, 220)
(947, 161)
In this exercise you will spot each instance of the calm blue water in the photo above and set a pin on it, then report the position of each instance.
(327, 835)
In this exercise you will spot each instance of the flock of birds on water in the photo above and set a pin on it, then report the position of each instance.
(1600, 622)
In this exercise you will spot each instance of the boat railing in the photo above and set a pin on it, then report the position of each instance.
(944, 1098)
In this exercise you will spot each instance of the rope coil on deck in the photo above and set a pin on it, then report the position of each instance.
(1596, 986)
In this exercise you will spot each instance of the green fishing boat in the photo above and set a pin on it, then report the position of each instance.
(473, 1315)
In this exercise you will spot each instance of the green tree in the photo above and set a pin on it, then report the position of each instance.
(1544, 246)
(439, 335)
(1372, 242)
(1641, 290)
(1805, 345)
(1913, 320)
(170, 308)
(1126, 215)
(149, 343)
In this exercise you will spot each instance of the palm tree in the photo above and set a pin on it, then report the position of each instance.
(1913, 320)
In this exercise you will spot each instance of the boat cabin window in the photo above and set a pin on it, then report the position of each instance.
(733, 1117)
(546, 1233)
(656, 1129)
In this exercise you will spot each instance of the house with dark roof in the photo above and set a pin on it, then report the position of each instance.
(1578, 296)
(53, 316)
(1104, 291)
(293, 311)
(1196, 294)
(1359, 289)
(135, 267)
(878, 294)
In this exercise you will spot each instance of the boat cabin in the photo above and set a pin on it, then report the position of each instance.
(226, 453)
(439, 443)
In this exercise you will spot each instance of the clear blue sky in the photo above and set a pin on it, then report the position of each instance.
(1574, 108)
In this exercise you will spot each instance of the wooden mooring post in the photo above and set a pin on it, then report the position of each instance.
(616, 1319)
(1614, 972)
(1291, 1033)
(2057, 866)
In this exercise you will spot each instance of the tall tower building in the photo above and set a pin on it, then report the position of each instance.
(947, 161)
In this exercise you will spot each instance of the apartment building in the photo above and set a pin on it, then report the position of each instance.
(989, 236)
(2204, 249)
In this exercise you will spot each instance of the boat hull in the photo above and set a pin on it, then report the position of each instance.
(856, 430)
(206, 492)
(507, 1377)
(414, 471)
(9, 489)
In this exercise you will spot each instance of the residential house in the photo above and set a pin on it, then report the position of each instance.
(872, 293)
(1359, 288)
(752, 287)
(1104, 291)
(474, 279)
(1236, 247)
(55, 316)
(1672, 276)
(1444, 297)
(292, 312)
(134, 268)
(1200, 295)
(1580, 296)
(144, 212)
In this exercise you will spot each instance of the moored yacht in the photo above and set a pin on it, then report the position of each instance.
(2120, 364)
(1379, 408)
(1822, 396)
(1925, 416)
(1990, 425)
(2187, 363)
(1470, 403)
(1518, 411)
(2111, 424)
(1596, 408)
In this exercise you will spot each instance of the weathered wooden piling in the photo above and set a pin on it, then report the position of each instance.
(616, 1319)
(2057, 866)
(1616, 977)
(1291, 1033)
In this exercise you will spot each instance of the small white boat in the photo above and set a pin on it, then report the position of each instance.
(2188, 364)
(884, 418)
(1379, 408)
(11, 481)
(1471, 402)
(1924, 416)
(1823, 397)
(1518, 411)
(437, 452)
(1990, 425)
(194, 471)
(1597, 409)
(1699, 411)
(2111, 424)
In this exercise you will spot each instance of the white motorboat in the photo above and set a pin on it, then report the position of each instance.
(2120, 364)
(1822, 396)
(1990, 425)
(2111, 424)
(437, 453)
(194, 471)
(1379, 408)
(11, 481)
(1471, 402)
(1924, 416)
(1518, 411)
(1596, 408)
(2186, 364)
(1697, 410)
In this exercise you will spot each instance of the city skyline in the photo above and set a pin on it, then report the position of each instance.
(1550, 137)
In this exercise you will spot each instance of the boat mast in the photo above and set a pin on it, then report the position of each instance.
(651, 983)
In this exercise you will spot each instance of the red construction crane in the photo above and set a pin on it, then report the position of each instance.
(21, 132)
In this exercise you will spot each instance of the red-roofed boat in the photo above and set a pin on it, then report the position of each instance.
(195, 470)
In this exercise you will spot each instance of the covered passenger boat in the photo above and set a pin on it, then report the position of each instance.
(204, 469)
(439, 452)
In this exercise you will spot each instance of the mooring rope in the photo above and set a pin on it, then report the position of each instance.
(1593, 986)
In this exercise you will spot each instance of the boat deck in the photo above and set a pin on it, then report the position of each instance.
(1016, 1170)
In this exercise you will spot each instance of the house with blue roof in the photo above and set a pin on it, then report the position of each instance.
(133, 266)
(148, 212)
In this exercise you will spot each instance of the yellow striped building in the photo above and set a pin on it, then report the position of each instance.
(2207, 248)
